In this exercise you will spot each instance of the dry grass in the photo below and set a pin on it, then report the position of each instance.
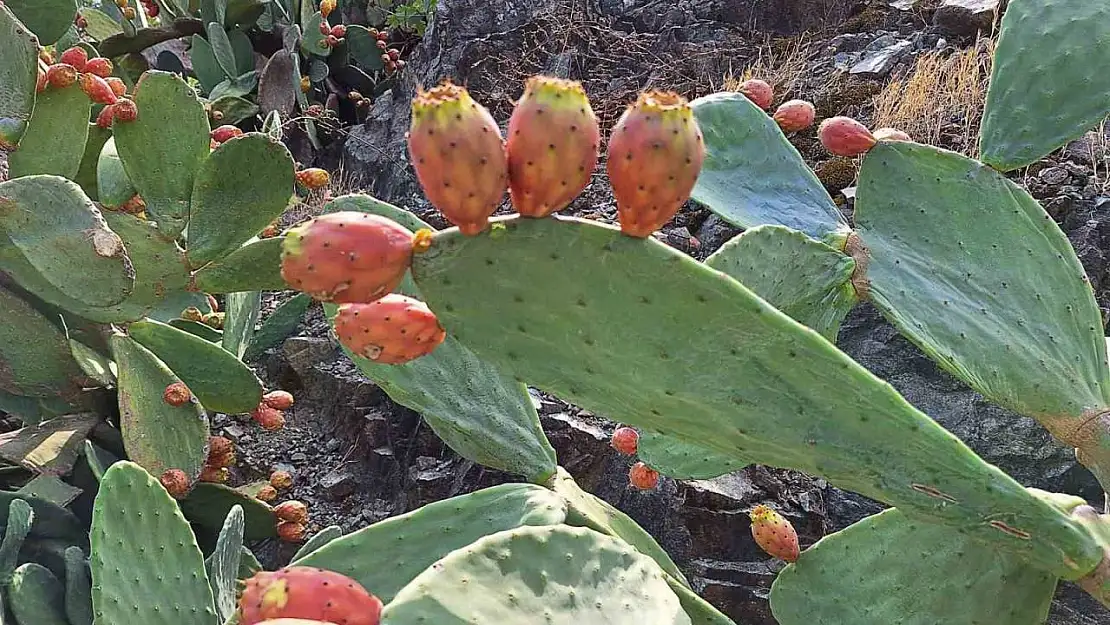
(783, 63)
(1100, 157)
(940, 93)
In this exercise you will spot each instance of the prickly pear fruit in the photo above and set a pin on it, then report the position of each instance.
(221, 452)
(643, 477)
(759, 92)
(346, 256)
(293, 511)
(795, 115)
(625, 440)
(267, 493)
(774, 534)
(459, 156)
(125, 110)
(41, 82)
(552, 146)
(177, 394)
(215, 475)
(214, 320)
(225, 133)
(269, 418)
(100, 66)
(61, 75)
(97, 89)
(106, 116)
(175, 482)
(338, 31)
(307, 593)
(118, 86)
(845, 136)
(326, 7)
(75, 56)
(655, 155)
(281, 479)
(392, 330)
(281, 400)
(193, 313)
(313, 178)
(134, 205)
(891, 134)
(212, 303)
(128, 13)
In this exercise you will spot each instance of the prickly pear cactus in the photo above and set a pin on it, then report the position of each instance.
(54, 142)
(18, 75)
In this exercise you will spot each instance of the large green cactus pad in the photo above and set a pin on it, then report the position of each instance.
(157, 436)
(978, 275)
(254, 267)
(604, 321)
(1049, 83)
(891, 569)
(48, 19)
(223, 564)
(683, 460)
(753, 176)
(164, 148)
(412, 542)
(243, 309)
(78, 588)
(209, 504)
(58, 231)
(113, 186)
(90, 161)
(227, 207)
(36, 596)
(217, 378)
(18, 75)
(54, 142)
(34, 355)
(146, 565)
(556, 575)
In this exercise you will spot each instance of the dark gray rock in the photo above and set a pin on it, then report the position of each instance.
(966, 17)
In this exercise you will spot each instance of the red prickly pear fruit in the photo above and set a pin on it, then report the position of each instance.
(625, 440)
(643, 477)
(326, 7)
(459, 156)
(118, 86)
(269, 418)
(212, 303)
(100, 66)
(313, 178)
(152, 10)
(46, 57)
(221, 452)
(61, 75)
(267, 493)
(214, 475)
(655, 155)
(80, 22)
(891, 134)
(325, 29)
(844, 136)
(774, 534)
(281, 400)
(175, 482)
(177, 394)
(41, 82)
(125, 110)
(224, 133)
(97, 89)
(105, 117)
(759, 92)
(281, 479)
(552, 146)
(394, 54)
(134, 205)
(331, 40)
(392, 330)
(339, 31)
(75, 56)
(301, 592)
(382, 36)
(382, 45)
(293, 511)
(346, 256)
(795, 115)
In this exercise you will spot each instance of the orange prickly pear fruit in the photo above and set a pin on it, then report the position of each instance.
(100, 66)
(301, 592)
(193, 313)
(774, 534)
(845, 136)
(125, 110)
(625, 440)
(118, 86)
(175, 482)
(281, 400)
(891, 134)
(106, 116)
(75, 56)
(215, 475)
(795, 115)
(313, 178)
(552, 146)
(269, 418)
(61, 75)
(97, 89)
(459, 156)
(326, 7)
(291, 532)
(281, 479)
(293, 511)
(643, 477)
(655, 155)
(221, 452)
(392, 330)
(267, 493)
(759, 92)
(177, 394)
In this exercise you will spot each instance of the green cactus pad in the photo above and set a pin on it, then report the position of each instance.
(100, 25)
(317, 540)
(753, 176)
(217, 378)
(363, 48)
(586, 509)
(93, 363)
(205, 66)
(146, 565)
(980, 277)
(223, 564)
(113, 186)
(254, 267)
(50, 521)
(18, 527)
(243, 309)
(1045, 50)
(221, 48)
(56, 228)
(554, 575)
(197, 328)
(48, 19)
(78, 588)
(280, 323)
(54, 142)
(248, 564)
(683, 460)
(98, 459)
(700, 611)
(164, 148)
(412, 542)
(603, 321)
(35, 359)
(86, 173)
(209, 504)
(157, 436)
(18, 75)
(36, 597)
(890, 569)
(228, 208)
(312, 41)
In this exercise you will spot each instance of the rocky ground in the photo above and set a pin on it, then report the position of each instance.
(358, 457)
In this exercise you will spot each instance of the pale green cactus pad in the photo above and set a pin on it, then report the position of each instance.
(18, 75)
(242, 309)
(36, 596)
(157, 436)
(891, 569)
(54, 142)
(164, 148)
(223, 564)
(600, 319)
(753, 176)
(1049, 83)
(48, 19)
(317, 540)
(555, 575)
(146, 565)
(255, 266)
(385, 556)
(113, 186)
(35, 359)
(20, 518)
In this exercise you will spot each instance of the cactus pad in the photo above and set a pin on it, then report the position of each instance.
(18, 527)
(1046, 49)
(164, 148)
(603, 321)
(48, 19)
(243, 308)
(229, 208)
(254, 267)
(34, 355)
(278, 325)
(317, 540)
(146, 565)
(78, 588)
(412, 542)
(90, 160)
(36, 597)
(223, 564)
(50, 521)
(753, 176)
(554, 575)
(18, 75)
(683, 460)
(209, 504)
(890, 569)
(54, 142)
(157, 436)
(113, 186)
